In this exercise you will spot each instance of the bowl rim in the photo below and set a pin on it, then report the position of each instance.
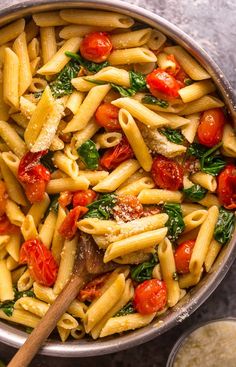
(199, 293)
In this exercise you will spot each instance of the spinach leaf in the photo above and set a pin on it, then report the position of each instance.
(102, 208)
(8, 306)
(89, 154)
(137, 81)
(175, 222)
(19, 295)
(47, 161)
(224, 226)
(143, 271)
(175, 136)
(126, 310)
(54, 205)
(62, 86)
(124, 92)
(89, 65)
(149, 99)
(210, 161)
(188, 81)
(195, 193)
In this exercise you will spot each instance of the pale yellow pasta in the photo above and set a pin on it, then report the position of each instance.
(16, 274)
(117, 176)
(4, 108)
(124, 323)
(202, 104)
(189, 279)
(212, 254)
(188, 63)
(168, 271)
(33, 49)
(48, 43)
(66, 264)
(134, 243)
(159, 196)
(34, 65)
(74, 30)
(156, 272)
(11, 263)
(74, 101)
(203, 240)
(136, 187)
(82, 136)
(229, 141)
(97, 226)
(6, 288)
(156, 40)
(11, 31)
(136, 257)
(12, 139)
(14, 189)
(21, 317)
(28, 228)
(12, 161)
(196, 90)
(37, 85)
(25, 282)
(14, 213)
(209, 200)
(47, 229)
(188, 208)
(69, 166)
(87, 108)
(130, 39)
(103, 304)
(3, 254)
(194, 219)
(135, 139)
(27, 107)
(20, 119)
(63, 333)
(63, 184)
(145, 224)
(165, 63)
(58, 240)
(144, 68)
(205, 180)
(78, 332)
(108, 139)
(140, 112)
(189, 130)
(96, 18)
(131, 55)
(3, 241)
(11, 78)
(59, 60)
(38, 209)
(25, 76)
(48, 19)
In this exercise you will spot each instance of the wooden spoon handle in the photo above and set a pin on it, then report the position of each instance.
(28, 350)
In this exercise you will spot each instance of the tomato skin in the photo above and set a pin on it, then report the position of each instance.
(96, 47)
(167, 174)
(226, 188)
(65, 198)
(127, 208)
(83, 197)
(183, 255)
(114, 156)
(6, 227)
(210, 129)
(68, 227)
(3, 197)
(107, 116)
(34, 175)
(150, 296)
(92, 289)
(42, 265)
(162, 84)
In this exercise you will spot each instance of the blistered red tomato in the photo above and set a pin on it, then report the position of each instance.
(227, 187)
(183, 255)
(127, 208)
(167, 174)
(107, 116)
(42, 265)
(162, 85)
(92, 290)
(3, 198)
(65, 198)
(6, 227)
(68, 227)
(115, 156)
(96, 47)
(150, 296)
(83, 197)
(210, 129)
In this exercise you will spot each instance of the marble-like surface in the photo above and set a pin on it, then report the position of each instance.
(212, 24)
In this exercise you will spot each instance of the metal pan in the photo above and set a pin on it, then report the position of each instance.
(15, 337)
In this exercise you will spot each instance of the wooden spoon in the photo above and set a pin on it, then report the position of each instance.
(88, 264)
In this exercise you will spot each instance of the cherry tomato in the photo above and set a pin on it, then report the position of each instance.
(162, 85)
(210, 129)
(92, 290)
(181, 77)
(96, 47)
(107, 116)
(83, 197)
(42, 265)
(6, 227)
(150, 296)
(34, 175)
(65, 198)
(183, 255)
(127, 208)
(3, 198)
(167, 174)
(68, 227)
(227, 187)
(114, 156)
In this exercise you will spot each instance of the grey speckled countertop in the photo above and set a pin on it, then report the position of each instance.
(212, 25)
